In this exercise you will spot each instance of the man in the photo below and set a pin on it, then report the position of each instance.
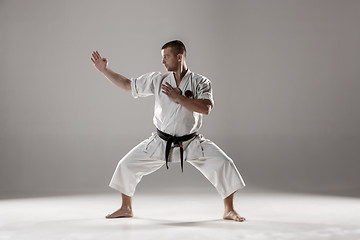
(181, 99)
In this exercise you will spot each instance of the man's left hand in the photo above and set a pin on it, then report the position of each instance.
(173, 93)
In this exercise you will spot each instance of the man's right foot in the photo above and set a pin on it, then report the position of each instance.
(121, 213)
(233, 215)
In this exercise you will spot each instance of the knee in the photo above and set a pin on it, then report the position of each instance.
(124, 164)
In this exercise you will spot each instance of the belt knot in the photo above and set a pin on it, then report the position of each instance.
(177, 140)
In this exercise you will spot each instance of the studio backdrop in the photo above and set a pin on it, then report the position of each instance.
(285, 78)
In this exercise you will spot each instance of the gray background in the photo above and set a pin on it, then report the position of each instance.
(285, 76)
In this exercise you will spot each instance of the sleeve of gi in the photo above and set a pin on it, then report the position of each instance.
(143, 86)
(204, 90)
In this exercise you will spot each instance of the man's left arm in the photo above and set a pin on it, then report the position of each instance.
(203, 106)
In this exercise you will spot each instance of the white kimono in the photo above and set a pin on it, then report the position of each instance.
(174, 119)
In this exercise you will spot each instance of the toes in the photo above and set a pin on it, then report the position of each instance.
(239, 219)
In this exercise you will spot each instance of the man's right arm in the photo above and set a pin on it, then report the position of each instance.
(115, 78)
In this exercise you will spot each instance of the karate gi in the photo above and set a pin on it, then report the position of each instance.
(174, 119)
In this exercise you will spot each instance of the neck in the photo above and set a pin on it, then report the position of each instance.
(180, 73)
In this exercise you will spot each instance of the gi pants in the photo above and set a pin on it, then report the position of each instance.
(149, 155)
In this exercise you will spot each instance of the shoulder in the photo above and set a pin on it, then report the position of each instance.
(156, 75)
(150, 75)
(200, 79)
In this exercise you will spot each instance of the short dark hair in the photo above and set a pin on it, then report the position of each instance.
(177, 47)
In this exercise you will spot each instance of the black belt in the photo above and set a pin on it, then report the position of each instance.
(177, 141)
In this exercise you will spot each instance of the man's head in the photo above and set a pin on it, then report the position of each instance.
(176, 46)
(174, 54)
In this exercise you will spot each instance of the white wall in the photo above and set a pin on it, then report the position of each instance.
(285, 77)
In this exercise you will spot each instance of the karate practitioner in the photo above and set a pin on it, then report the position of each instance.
(182, 98)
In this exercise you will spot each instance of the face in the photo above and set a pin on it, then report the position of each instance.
(169, 59)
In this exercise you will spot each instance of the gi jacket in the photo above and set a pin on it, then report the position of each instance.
(171, 117)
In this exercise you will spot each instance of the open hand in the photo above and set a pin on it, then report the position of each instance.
(173, 93)
(100, 63)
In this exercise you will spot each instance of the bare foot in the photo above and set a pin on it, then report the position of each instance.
(121, 213)
(233, 215)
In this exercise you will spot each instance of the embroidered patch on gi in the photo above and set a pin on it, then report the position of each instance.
(189, 94)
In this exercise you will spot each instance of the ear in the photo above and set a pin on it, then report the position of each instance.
(179, 57)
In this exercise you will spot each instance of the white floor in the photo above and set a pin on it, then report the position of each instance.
(185, 215)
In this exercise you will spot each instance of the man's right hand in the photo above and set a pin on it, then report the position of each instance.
(99, 63)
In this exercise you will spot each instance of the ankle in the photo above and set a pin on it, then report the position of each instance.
(126, 207)
(229, 209)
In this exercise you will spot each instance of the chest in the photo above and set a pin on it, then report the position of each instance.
(187, 86)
